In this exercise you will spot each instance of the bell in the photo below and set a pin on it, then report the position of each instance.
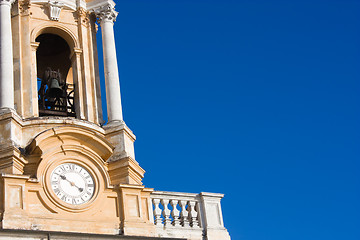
(54, 89)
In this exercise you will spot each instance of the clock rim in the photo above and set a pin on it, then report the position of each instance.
(91, 175)
(55, 199)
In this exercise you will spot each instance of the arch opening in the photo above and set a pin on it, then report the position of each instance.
(53, 52)
(54, 75)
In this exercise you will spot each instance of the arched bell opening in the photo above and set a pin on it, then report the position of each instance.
(54, 75)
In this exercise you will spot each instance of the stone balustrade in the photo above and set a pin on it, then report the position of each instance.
(188, 215)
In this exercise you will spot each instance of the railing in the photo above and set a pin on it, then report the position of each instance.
(188, 215)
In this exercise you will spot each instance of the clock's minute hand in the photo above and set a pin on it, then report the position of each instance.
(71, 183)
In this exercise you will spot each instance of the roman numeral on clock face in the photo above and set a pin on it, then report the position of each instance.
(71, 166)
(56, 190)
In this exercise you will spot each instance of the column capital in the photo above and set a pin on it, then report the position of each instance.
(6, 2)
(24, 6)
(76, 53)
(106, 13)
(82, 16)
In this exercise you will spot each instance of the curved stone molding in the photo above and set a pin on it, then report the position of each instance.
(59, 29)
(49, 139)
(58, 142)
(106, 13)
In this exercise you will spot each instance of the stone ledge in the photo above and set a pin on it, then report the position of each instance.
(31, 234)
(7, 113)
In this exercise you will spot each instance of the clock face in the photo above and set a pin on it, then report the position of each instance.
(72, 183)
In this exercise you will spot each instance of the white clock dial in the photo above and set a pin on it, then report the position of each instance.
(72, 183)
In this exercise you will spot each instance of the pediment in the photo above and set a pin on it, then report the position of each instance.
(59, 143)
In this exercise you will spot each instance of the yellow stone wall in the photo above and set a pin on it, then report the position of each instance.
(32, 146)
(78, 29)
(37, 147)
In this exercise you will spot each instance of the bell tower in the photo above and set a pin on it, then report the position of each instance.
(58, 38)
(63, 172)
(58, 162)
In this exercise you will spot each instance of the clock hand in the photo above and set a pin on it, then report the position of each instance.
(63, 177)
(71, 183)
(79, 188)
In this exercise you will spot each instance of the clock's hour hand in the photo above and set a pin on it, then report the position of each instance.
(64, 178)
(71, 183)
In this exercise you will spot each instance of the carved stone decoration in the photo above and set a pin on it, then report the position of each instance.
(83, 16)
(55, 9)
(106, 13)
(24, 6)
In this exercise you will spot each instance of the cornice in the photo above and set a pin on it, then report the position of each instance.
(97, 4)
(74, 4)
(71, 4)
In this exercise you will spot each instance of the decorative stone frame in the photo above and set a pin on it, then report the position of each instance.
(75, 53)
(69, 144)
(36, 206)
(54, 144)
(58, 29)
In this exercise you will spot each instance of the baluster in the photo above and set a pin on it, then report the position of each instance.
(166, 212)
(175, 213)
(157, 212)
(193, 214)
(184, 214)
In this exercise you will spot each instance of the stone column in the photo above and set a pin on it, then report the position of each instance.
(28, 83)
(77, 73)
(6, 56)
(106, 17)
(34, 92)
(98, 101)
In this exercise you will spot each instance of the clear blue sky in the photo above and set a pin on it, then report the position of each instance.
(255, 99)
